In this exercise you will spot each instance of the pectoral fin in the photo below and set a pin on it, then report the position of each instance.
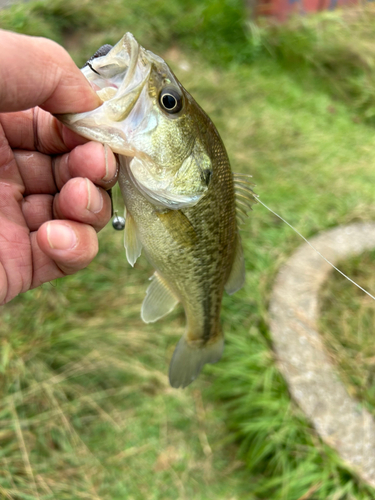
(132, 243)
(159, 300)
(179, 227)
(237, 275)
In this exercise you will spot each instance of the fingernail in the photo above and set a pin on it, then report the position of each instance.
(60, 237)
(94, 198)
(108, 175)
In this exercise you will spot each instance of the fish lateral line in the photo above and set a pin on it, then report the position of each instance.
(312, 246)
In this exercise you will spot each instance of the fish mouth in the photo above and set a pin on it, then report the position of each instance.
(119, 76)
(114, 68)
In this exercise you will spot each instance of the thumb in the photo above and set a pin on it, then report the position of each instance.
(38, 72)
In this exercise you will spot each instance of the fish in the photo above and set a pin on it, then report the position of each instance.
(182, 201)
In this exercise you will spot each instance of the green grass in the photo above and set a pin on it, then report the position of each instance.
(347, 326)
(85, 406)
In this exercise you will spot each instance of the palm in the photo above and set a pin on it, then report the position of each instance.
(44, 172)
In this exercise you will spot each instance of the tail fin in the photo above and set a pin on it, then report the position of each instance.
(188, 360)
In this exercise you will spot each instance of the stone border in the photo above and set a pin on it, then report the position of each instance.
(302, 358)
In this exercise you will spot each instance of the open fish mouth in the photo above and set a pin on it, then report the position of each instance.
(119, 78)
(109, 66)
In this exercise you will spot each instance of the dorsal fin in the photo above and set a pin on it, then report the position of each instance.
(237, 274)
(245, 196)
(132, 243)
(159, 300)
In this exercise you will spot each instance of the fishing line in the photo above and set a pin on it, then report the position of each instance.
(312, 246)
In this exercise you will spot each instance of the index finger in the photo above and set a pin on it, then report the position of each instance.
(38, 72)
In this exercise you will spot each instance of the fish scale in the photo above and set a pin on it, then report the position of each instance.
(179, 194)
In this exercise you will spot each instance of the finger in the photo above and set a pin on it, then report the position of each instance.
(3, 284)
(38, 72)
(37, 130)
(82, 201)
(36, 172)
(91, 160)
(37, 209)
(11, 185)
(15, 258)
(60, 248)
(8, 166)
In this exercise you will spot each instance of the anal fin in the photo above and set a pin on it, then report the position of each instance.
(132, 243)
(236, 278)
(159, 300)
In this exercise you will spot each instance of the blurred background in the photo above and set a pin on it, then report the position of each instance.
(86, 411)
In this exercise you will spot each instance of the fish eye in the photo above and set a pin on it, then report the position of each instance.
(170, 99)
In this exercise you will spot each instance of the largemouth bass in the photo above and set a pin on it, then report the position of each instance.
(179, 194)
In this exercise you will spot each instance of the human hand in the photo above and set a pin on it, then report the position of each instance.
(52, 182)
